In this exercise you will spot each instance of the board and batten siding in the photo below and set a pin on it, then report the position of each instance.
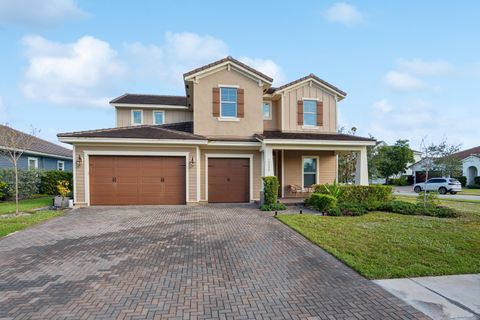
(124, 116)
(275, 123)
(327, 167)
(291, 98)
(80, 171)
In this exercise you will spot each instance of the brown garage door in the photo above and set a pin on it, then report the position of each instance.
(228, 180)
(125, 180)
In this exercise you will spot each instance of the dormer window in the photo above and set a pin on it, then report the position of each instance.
(309, 113)
(137, 117)
(228, 102)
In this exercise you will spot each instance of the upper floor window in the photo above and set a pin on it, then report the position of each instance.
(309, 112)
(158, 117)
(267, 111)
(61, 165)
(32, 163)
(137, 117)
(228, 102)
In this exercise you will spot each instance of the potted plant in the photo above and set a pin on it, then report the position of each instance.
(61, 201)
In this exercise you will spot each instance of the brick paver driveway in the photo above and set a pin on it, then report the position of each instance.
(180, 262)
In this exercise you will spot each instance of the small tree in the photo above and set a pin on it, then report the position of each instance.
(391, 160)
(13, 144)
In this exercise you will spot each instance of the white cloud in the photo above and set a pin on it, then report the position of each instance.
(182, 52)
(78, 73)
(179, 53)
(383, 106)
(266, 66)
(421, 67)
(90, 72)
(38, 12)
(344, 13)
(402, 81)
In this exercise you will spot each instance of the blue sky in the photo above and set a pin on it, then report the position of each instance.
(411, 69)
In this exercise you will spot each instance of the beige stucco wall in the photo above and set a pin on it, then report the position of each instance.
(124, 115)
(275, 122)
(306, 91)
(80, 198)
(327, 167)
(257, 169)
(207, 124)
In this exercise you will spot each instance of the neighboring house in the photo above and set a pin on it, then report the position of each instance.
(215, 143)
(41, 155)
(470, 166)
(470, 163)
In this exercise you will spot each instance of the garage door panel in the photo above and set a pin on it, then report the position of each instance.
(139, 180)
(228, 180)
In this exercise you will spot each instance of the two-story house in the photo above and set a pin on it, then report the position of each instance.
(215, 143)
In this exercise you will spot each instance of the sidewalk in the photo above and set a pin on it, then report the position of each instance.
(445, 297)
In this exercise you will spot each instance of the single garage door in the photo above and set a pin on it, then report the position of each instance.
(228, 180)
(126, 180)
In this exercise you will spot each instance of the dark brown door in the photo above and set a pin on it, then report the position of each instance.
(129, 180)
(228, 180)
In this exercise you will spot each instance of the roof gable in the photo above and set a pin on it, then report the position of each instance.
(227, 63)
(314, 80)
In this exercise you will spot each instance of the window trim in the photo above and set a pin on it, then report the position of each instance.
(58, 165)
(154, 119)
(34, 159)
(133, 119)
(315, 113)
(317, 158)
(269, 110)
(236, 102)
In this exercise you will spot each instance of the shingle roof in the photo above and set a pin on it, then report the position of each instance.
(312, 76)
(465, 153)
(170, 131)
(231, 59)
(40, 145)
(129, 98)
(310, 136)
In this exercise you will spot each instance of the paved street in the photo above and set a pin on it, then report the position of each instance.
(180, 262)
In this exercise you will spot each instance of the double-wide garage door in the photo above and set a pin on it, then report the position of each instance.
(132, 180)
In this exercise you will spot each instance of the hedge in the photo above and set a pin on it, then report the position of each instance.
(321, 202)
(462, 179)
(476, 180)
(49, 181)
(368, 195)
(31, 182)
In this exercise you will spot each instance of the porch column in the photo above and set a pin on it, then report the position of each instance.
(361, 172)
(267, 164)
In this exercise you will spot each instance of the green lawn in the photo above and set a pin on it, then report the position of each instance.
(466, 207)
(16, 223)
(473, 192)
(27, 205)
(386, 245)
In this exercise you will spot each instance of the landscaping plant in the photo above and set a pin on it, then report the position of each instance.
(49, 180)
(270, 194)
(321, 202)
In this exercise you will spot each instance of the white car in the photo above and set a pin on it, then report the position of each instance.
(442, 185)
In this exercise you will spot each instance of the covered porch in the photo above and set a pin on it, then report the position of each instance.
(299, 164)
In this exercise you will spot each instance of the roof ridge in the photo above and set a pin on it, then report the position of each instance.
(156, 95)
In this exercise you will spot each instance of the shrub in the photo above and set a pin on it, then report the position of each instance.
(3, 189)
(352, 209)
(273, 207)
(463, 180)
(28, 182)
(401, 207)
(332, 189)
(50, 179)
(335, 211)
(476, 180)
(402, 181)
(431, 200)
(321, 202)
(441, 212)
